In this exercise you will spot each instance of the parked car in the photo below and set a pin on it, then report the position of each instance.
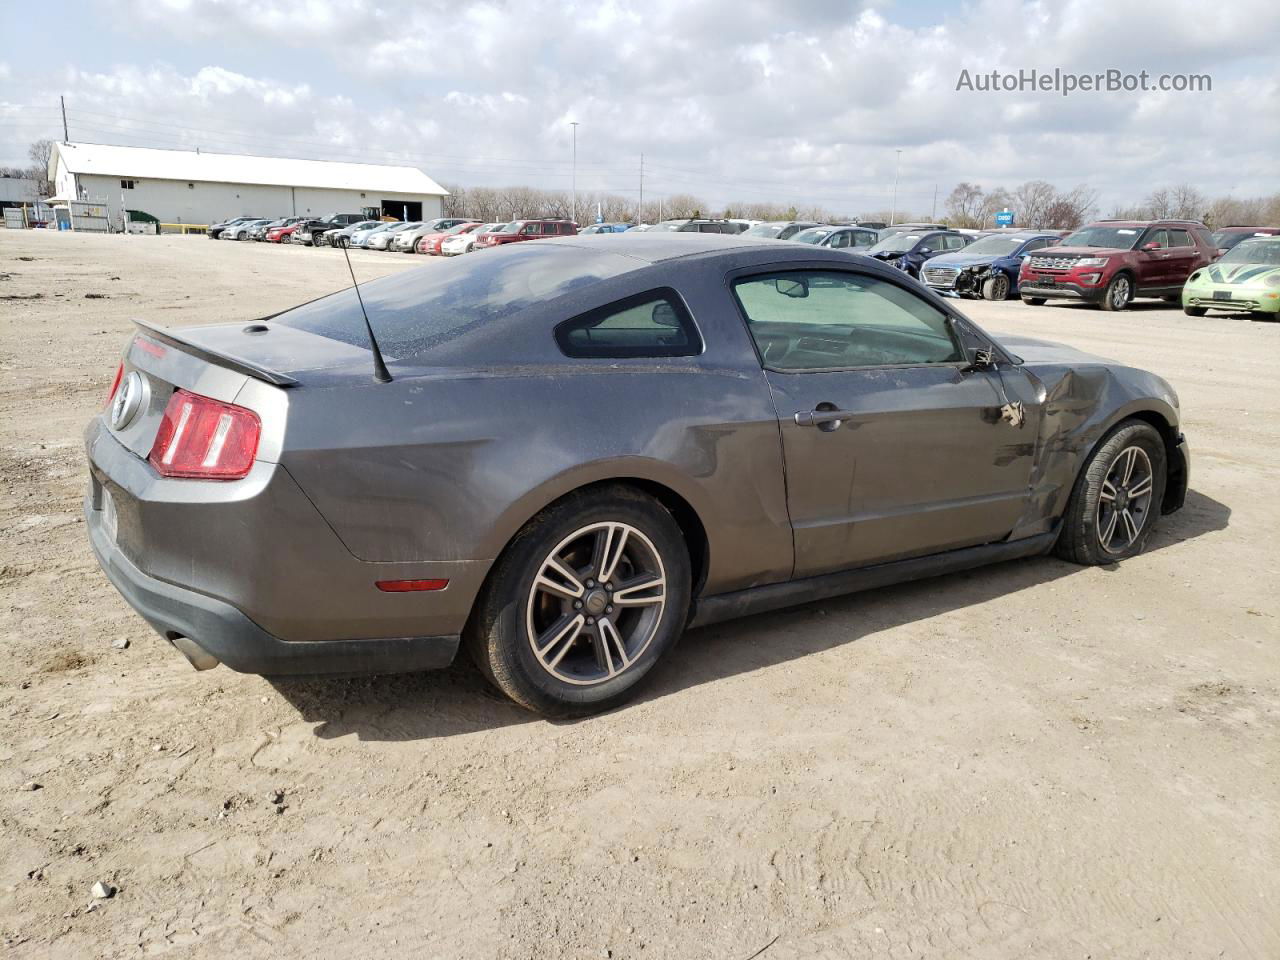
(381, 239)
(1245, 278)
(605, 228)
(260, 232)
(406, 241)
(341, 236)
(1110, 262)
(889, 231)
(431, 244)
(240, 231)
(215, 229)
(909, 249)
(857, 239)
(518, 230)
(779, 229)
(784, 424)
(283, 234)
(988, 267)
(698, 225)
(360, 237)
(461, 243)
(304, 231)
(1227, 237)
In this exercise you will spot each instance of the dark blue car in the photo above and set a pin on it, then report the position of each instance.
(909, 249)
(988, 267)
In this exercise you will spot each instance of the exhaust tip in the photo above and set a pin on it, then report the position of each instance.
(195, 654)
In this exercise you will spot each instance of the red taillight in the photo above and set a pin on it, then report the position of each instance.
(115, 385)
(205, 439)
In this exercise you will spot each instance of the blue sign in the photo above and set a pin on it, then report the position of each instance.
(1004, 218)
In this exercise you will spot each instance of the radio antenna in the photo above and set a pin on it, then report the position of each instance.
(380, 372)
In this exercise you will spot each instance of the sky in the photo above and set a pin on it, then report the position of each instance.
(730, 100)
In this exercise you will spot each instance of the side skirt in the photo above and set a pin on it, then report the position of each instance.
(776, 596)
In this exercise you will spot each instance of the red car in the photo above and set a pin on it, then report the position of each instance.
(528, 230)
(430, 243)
(283, 234)
(1225, 238)
(1110, 262)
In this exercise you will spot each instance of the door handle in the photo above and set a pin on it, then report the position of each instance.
(826, 417)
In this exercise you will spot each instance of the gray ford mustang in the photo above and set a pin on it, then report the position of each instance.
(579, 447)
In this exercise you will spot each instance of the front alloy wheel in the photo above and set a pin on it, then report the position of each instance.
(1116, 500)
(1125, 500)
(583, 602)
(1119, 293)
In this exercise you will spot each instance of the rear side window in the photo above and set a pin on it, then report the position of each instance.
(1179, 238)
(651, 324)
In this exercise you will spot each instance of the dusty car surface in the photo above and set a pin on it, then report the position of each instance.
(582, 446)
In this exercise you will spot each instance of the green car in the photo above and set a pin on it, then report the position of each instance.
(1246, 278)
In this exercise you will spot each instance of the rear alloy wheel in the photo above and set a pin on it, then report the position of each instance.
(583, 602)
(1117, 498)
(1119, 293)
(997, 288)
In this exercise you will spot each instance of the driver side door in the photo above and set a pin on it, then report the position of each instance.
(892, 448)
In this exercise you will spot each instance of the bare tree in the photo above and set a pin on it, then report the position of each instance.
(1030, 202)
(965, 205)
(39, 153)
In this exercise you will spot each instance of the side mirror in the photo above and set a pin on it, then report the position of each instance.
(789, 287)
(1221, 251)
(980, 358)
(926, 250)
(1150, 246)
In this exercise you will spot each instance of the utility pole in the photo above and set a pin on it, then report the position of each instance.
(640, 206)
(574, 124)
(893, 211)
(66, 137)
(933, 213)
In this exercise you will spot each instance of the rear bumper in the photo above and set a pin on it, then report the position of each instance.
(227, 636)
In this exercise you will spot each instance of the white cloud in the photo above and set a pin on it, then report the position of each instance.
(729, 99)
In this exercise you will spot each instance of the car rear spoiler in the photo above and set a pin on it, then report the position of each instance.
(231, 362)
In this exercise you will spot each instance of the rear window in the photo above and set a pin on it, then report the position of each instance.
(413, 311)
(653, 324)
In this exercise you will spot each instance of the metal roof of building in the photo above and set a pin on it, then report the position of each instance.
(149, 163)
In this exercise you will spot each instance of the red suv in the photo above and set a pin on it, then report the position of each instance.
(528, 230)
(1112, 261)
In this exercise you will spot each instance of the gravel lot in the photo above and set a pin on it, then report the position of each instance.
(1031, 760)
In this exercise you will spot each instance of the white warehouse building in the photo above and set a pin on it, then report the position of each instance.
(191, 186)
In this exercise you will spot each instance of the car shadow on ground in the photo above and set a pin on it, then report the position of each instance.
(458, 700)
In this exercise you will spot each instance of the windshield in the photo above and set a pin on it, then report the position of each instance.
(995, 246)
(1122, 238)
(668, 226)
(812, 235)
(512, 227)
(768, 230)
(897, 243)
(1254, 251)
(414, 311)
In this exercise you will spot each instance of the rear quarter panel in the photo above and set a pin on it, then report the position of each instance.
(449, 463)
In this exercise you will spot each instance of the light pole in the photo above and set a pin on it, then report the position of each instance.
(574, 181)
(893, 211)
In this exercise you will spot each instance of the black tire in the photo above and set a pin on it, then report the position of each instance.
(1035, 301)
(1119, 293)
(1195, 311)
(996, 288)
(1083, 538)
(1172, 298)
(499, 634)
(1264, 316)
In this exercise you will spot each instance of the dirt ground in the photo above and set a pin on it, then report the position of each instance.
(1030, 760)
